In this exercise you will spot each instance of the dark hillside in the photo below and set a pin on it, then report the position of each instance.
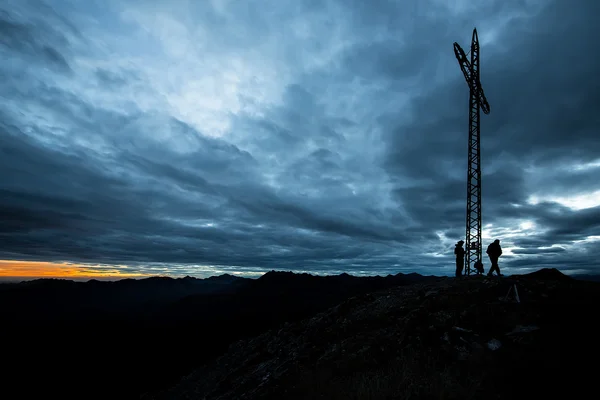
(449, 339)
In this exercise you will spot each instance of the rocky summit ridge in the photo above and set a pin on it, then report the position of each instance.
(466, 338)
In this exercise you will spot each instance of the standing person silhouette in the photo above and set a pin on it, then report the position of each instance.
(460, 257)
(494, 251)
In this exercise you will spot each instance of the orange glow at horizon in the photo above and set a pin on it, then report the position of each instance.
(43, 269)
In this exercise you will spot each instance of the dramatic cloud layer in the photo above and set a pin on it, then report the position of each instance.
(201, 137)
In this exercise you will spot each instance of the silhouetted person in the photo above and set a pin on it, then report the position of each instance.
(478, 267)
(494, 251)
(460, 257)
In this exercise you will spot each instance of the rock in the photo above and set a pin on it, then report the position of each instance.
(476, 346)
(523, 329)
(459, 329)
(446, 337)
(462, 353)
(494, 344)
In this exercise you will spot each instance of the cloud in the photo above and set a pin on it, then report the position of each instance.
(189, 137)
(45, 37)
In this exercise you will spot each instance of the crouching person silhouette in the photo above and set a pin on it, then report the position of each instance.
(478, 267)
(460, 257)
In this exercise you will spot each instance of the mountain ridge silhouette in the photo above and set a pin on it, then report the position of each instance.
(154, 331)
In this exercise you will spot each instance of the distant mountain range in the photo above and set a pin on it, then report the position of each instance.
(51, 298)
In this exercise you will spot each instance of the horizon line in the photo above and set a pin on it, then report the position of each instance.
(80, 278)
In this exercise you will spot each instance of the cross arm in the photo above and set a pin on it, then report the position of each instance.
(463, 61)
(465, 66)
(485, 106)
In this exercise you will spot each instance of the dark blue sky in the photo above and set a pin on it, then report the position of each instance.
(201, 137)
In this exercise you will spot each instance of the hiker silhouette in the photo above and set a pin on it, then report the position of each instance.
(478, 267)
(494, 251)
(460, 257)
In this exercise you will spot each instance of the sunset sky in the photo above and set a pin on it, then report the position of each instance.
(182, 137)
